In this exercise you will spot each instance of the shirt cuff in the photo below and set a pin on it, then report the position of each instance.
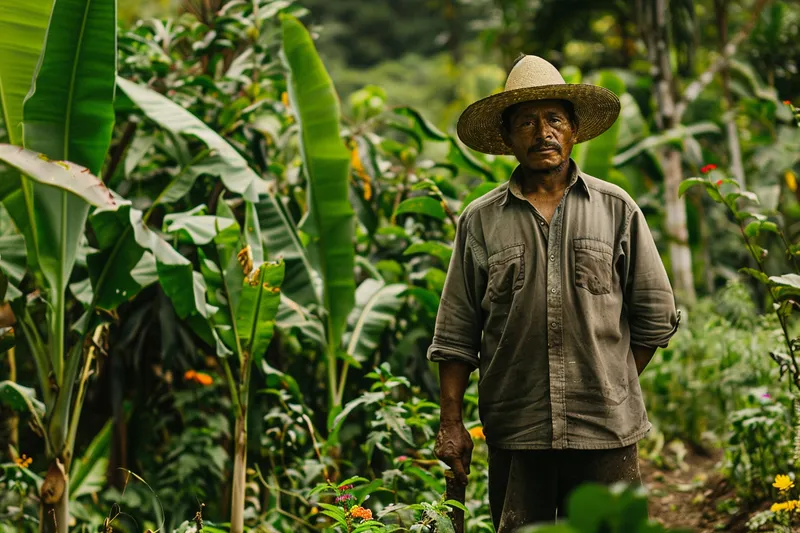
(656, 340)
(441, 353)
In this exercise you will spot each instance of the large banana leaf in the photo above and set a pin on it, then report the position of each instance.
(69, 115)
(225, 161)
(377, 305)
(132, 256)
(22, 30)
(326, 162)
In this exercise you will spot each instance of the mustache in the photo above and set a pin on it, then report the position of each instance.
(545, 146)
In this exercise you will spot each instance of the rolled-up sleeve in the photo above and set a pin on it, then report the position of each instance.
(457, 335)
(649, 299)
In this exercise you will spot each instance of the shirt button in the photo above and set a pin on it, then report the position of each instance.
(553, 325)
(552, 257)
(541, 223)
(553, 291)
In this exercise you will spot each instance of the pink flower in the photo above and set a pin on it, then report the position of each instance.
(402, 458)
(766, 396)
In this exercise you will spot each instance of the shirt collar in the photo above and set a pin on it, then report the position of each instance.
(514, 189)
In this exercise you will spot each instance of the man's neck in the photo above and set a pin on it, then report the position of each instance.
(551, 181)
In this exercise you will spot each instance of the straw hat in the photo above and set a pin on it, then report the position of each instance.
(534, 78)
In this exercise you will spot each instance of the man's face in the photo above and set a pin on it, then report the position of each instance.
(540, 134)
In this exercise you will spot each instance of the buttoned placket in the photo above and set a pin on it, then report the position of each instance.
(555, 331)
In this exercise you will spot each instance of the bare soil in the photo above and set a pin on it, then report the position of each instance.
(690, 493)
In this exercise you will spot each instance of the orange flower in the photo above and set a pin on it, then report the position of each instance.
(203, 379)
(190, 375)
(23, 461)
(477, 433)
(787, 102)
(360, 512)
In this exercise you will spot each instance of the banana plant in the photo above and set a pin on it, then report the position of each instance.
(65, 124)
(353, 321)
(244, 290)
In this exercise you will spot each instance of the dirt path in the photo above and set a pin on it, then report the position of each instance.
(690, 493)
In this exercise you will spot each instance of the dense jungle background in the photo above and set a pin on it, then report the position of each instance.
(215, 313)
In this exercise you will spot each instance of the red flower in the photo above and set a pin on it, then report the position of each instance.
(708, 168)
(719, 182)
(787, 102)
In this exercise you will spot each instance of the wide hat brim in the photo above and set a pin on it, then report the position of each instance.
(596, 109)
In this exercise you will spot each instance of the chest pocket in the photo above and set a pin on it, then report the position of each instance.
(506, 273)
(593, 265)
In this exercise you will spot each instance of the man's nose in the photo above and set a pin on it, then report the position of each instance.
(541, 131)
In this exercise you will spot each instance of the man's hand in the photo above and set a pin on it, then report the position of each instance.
(454, 447)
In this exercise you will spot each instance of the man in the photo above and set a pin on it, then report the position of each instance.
(557, 293)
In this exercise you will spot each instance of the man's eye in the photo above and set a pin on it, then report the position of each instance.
(555, 120)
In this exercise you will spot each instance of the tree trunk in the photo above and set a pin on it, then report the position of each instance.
(732, 134)
(653, 26)
(239, 473)
(54, 498)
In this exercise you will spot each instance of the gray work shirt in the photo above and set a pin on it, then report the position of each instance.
(548, 313)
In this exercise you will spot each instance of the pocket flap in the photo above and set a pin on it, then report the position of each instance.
(507, 254)
(592, 244)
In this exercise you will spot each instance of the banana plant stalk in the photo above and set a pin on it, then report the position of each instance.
(245, 291)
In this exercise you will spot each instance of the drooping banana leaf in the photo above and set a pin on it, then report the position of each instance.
(326, 162)
(377, 305)
(225, 161)
(123, 267)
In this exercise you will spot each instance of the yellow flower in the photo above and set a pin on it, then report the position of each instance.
(314, 510)
(358, 168)
(790, 505)
(791, 180)
(477, 433)
(285, 99)
(23, 461)
(783, 482)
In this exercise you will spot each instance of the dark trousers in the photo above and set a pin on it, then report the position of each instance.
(532, 486)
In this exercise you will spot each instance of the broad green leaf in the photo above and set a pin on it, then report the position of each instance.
(12, 257)
(753, 229)
(294, 319)
(366, 399)
(88, 472)
(22, 29)
(121, 266)
(197, 229)
(8, 339)
(224, 161)
(302, 283)
(58, 176)
(21, 399)
(689, 183)
(786, 286)
(421, 205)
(757, 274)
(326, 163)
(376, 307)
(437, 249)
(258, 306)
(589, 506)
(477, 192)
